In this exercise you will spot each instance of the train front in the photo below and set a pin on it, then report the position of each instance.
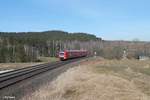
(62, 55)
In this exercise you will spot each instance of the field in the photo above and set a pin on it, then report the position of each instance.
(9, 66)
(99, 79)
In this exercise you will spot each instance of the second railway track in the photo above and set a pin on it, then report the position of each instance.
(12, 77)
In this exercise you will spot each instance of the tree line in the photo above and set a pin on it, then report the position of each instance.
(29, 46)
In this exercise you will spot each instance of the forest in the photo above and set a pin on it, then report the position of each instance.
(29, 46)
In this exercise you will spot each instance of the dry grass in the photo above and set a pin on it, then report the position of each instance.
(99, 80)
(7, 66)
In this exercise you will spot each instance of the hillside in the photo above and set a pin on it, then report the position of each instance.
(49, 35)
(28, 46)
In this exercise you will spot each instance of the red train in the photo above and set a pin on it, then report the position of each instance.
(69, 54)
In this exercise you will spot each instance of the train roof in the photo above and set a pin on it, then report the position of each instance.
(74, 50)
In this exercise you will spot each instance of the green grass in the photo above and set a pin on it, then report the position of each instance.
(145, 71)
(48, 59)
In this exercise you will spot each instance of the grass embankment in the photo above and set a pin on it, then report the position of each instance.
(99, 79)
(7, 66)
(48, 59)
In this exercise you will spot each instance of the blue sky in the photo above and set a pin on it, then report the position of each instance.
(109, 19)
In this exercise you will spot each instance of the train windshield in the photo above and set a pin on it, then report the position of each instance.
(61, 53)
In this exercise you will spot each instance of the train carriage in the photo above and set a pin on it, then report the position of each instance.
(69, 54)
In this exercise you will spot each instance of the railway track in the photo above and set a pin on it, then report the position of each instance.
(12, 77)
